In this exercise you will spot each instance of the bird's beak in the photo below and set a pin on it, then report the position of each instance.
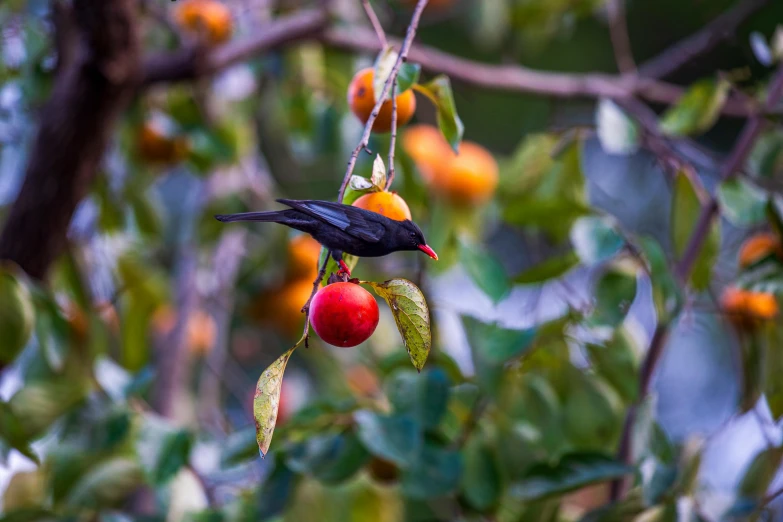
(430, 252)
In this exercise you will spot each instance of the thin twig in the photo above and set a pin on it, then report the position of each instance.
(618, 32)
(401, 57)
(393, 138)
(376, 24)
(683, 52)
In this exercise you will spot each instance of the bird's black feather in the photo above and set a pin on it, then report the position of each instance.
(355, 221)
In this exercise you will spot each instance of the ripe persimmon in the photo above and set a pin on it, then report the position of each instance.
(468, 178)
(209, 19)
(747, 309)
(759, 246)
(201, 330)
(388, 204)
(361, 99)
(303, 252)
(344, 314)
(281, 308)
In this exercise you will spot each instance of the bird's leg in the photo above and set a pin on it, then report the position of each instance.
(338, 256)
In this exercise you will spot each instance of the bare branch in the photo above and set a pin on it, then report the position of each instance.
(618, 32)
(393, 138)
(401, 57)
(376, 24)
(192, 62)
(521, 79)
(681, 53)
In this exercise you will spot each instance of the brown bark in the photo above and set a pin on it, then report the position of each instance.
(97, 76)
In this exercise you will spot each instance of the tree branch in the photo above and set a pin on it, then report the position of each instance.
(684, 267)
(192, 62)
(521, 79)
(94, 84)
(683, 52)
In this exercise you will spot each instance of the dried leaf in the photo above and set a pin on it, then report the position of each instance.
(379, 173)
(267, 400)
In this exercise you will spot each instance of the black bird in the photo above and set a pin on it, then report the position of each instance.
(343, 228)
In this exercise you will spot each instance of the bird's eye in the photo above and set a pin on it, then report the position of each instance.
(413, 235)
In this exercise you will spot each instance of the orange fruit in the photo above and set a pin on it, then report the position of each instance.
(427, 148)
(201, 332)
(156, 143)
(361, 99)
(209, 19)
(388, 204)
(746, 309)
(759, 246)
(282, 308)
(303, 253)
(163, 320)
(467, 178)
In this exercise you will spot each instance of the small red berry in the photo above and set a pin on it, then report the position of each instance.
(344, 314)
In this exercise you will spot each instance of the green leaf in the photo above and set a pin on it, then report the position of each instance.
(12, 432)
(760, 473)
(591, 411)
(329, 458)
(17, 313)
(439, 92)
(384, 63)
(492, 346)
(686, 209)
(481, 479)
(267, 400)
(407, 76)
(436, 472)
(697, 110)
(617, 133)
(595, 239)
(378, 173)
(423, 396)
(162, 448)
(39, 404)
(555, 200)
(411, 314)
(106, 484)
(742, 203)
(573, 471)
(613, 294)
(145, 214)
(617, 363)
(396, 438)
(773, 368)
(485, 270)
(550, 269)
(665, 291)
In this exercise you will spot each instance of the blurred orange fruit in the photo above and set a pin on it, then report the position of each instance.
(155, 145)
(468, 178)
(746, 309)
(79, 321)
(361, 99)
(201, 331)
(388, 204)
(282, 308)
(303, 253)
(209, 19)
(759, 246)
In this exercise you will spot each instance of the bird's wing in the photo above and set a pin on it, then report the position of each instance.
(351, 220)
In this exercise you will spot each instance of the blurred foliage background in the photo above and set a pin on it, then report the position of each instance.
(128, 375)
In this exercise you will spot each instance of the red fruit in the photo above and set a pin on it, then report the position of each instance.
(344, 314)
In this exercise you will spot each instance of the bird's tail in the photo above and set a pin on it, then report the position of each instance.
(273, 216)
